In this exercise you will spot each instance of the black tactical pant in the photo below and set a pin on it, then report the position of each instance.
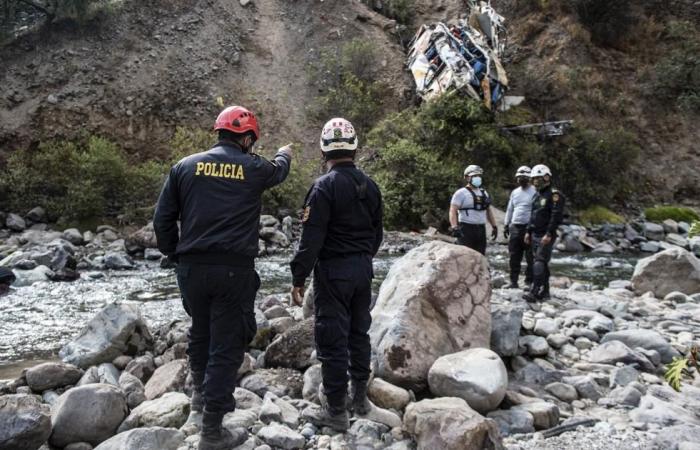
(542, 254)
(473, 236)
(220, 300)
(517, 248)
(342, 297)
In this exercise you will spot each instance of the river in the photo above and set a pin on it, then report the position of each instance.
(37, 320)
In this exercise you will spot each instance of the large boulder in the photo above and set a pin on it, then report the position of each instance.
(293, 348)
(646, 339)
(90, 413)
(448, 423)
(25, 423)
(476, 375)
(167, 378)
(614, 352)
(145, 439)
(386, 395)
(115, 330)
(434, 301)
(169, 411)
(505, 329)
(15, 222)
(675, 269)
(52, 375)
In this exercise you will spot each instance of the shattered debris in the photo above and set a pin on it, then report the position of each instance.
(543, 129)
(463, 57)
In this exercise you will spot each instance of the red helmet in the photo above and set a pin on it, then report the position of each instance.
(237, 119)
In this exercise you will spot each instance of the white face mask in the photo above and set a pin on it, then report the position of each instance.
(476, 181)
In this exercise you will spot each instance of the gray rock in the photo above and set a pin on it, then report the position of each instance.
(30, 277)
(152, 254)
(106, 336)
(143, 239)
(386, 395)
(108, 374)
(622, 376)
(672, 270)
(669, 438)
(274, 409)
(89, 413)
(585, 386)
(562, 391)
(280, 436)
(476, 375)
(267, 220)
(646, 339)
(246, 399)
(614, 352)
(73, 235)
(312, 380)
(169, 411)
(505, 329)
(449, 423)
(649, 247)
(37, 215)
(240, 418)
(653, 231)
(145, 439)
(117, 261)
(534, 345)
(545, 327)
(25, 423)
(133, 388)
(676, 297)
(670, 226)
(513, 421)
(557, 340)
(293, 348)
(626, 396)
(434, 301)
(15, 222)
(280, 382)
(167, 378)
(141, 367)
(52, 375)
(544, 414)
(677, 239)
(366, 434)
(383, 416)
(657, 411)
(287, 226)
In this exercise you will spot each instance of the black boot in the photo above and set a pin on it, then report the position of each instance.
(197, 400)
(327, 416)
(359, 402)
(216, 437)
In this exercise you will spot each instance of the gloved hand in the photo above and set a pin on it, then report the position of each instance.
(506, 232)
(456, 232)
(494, 233)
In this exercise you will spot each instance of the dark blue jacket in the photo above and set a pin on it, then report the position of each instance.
(342, 216)
(547, 212)
(216, 196)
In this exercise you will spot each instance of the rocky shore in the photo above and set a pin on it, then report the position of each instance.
(458, 363)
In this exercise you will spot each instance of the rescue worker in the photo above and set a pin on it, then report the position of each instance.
(216, 196)
(469, 209)
(515, 226)
(547, 214)
(341, 233)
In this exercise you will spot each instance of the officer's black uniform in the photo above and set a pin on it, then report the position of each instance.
(342, 231)
(216, 195)
(547, 215)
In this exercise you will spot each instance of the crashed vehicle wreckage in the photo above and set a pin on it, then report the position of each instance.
(464, 57)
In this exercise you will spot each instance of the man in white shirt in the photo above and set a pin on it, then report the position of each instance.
(515, 226)
(469, 210)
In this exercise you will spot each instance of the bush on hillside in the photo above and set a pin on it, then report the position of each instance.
(676, 75)
(291, 193)
(677, 213)
(402, 11)
(596, 215)
(346, 78)
(608, 22)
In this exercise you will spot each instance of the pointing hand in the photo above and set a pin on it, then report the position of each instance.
(298, 295)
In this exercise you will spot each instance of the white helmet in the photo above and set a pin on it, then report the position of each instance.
(472, 170)
(540, 170)
(523, 171)
(338, 134)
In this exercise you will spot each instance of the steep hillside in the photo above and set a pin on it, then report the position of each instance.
(135, 72)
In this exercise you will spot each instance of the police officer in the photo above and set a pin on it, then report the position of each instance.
(515, 226)
(216, 196)
(469, 209)
(547, 214)
(342, 231)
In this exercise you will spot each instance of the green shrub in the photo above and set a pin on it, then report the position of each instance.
(676, 75)
(402, 11)
(677, 213)
(346, 78)
(596, 215)
(292, 192)
(188, 141)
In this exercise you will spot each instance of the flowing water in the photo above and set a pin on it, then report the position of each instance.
(36, 321)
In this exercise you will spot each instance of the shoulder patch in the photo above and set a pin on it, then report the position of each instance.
(305, 214)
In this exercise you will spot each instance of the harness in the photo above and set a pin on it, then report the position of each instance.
(480, 203)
